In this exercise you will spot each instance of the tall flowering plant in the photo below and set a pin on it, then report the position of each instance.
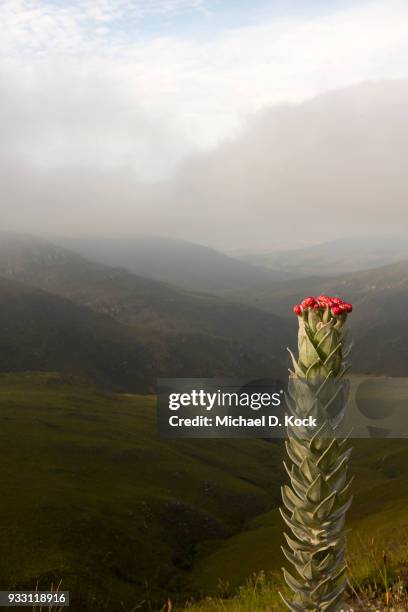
(318, 496)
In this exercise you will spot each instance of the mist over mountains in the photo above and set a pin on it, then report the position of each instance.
(346, 254)
(145, 328)
(296, 174)
(178, 262)
(64, 311)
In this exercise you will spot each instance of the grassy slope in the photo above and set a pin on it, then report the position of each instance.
(91, 495)
(40, 331)
(378, 518)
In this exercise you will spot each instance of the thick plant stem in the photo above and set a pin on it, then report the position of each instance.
(318, 496)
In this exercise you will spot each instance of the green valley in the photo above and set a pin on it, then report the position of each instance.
(92, 496)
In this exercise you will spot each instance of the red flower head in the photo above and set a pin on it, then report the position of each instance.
(322, 302)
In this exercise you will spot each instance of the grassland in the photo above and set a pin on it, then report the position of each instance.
(91, 495)
(244, 572)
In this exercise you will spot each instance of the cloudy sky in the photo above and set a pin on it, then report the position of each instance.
(148, 115)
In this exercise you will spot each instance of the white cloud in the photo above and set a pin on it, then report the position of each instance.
(85, 87)
(306, 172)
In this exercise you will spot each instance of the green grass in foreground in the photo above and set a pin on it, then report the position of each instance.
(379, 531)
(92, 496)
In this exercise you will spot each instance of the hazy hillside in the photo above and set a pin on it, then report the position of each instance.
(184, 334)
(379, 323)
(40, 331)
(333, 258)
(365, 287)
(182, 263)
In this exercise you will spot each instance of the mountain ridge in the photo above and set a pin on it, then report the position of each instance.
(335, 257)
(179, 333)
(178, 262)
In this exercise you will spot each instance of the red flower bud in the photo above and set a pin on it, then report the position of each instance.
(297, 310)
(325, 301)
(336, 310)
(308, 302)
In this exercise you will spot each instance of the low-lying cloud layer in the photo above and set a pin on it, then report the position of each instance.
(310, 171)
(105, 128)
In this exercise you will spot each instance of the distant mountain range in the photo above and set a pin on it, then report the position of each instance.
(113, 325)
(333, 258)
(61, 311)
(178, 262)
